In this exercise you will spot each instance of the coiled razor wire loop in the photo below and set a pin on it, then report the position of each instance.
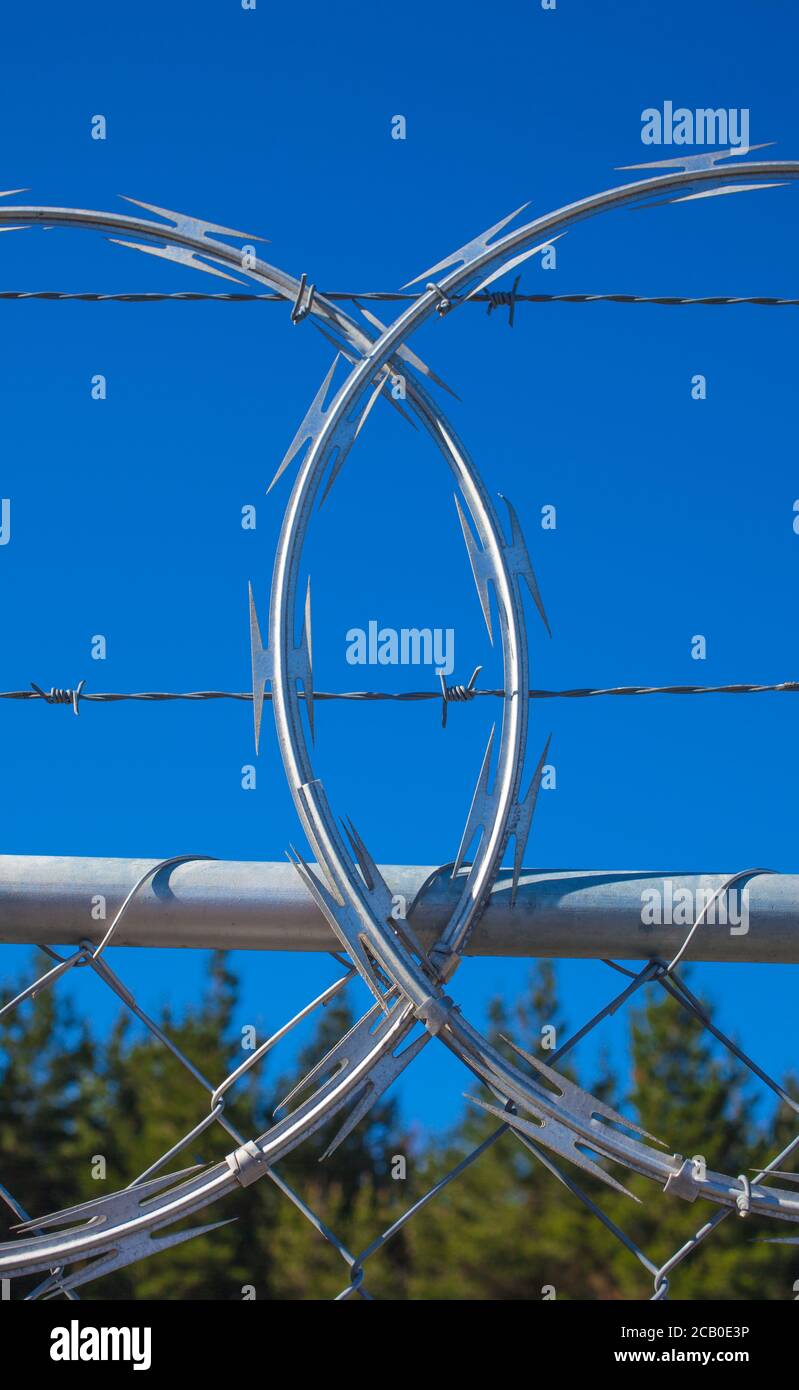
(347, 875)
(408, 984)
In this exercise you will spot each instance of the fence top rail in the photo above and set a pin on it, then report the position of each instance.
(229, 904)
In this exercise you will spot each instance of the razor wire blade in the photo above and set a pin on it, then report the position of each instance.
(549, 1114)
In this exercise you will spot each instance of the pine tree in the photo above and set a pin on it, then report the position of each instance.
(505, 1228)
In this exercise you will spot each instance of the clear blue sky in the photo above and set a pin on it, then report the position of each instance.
(674, 516)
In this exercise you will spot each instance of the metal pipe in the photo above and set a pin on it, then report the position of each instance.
(226, 904)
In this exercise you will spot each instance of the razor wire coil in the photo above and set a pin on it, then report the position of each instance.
(407, 983)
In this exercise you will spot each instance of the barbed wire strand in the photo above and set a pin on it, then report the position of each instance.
(457, 693)
(494, 299)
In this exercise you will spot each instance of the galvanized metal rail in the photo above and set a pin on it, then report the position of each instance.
(221, 905)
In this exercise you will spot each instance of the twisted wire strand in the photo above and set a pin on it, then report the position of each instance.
(456, 693)
(494, 299)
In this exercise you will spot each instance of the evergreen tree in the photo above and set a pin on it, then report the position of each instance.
(507, 1227)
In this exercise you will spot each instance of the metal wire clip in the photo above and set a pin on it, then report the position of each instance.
(303, 304)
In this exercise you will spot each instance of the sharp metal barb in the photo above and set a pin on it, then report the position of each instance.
(469, 251)
(180, 254)
(311, 425)
(134, 1248)
(523, 820)
(519, 562)
(410, 940)
(553, 1135)
(512, 264)
(385, 372)
(346, 441)
(343, 922)
(707, 160)
(579, 1102)
(261, 668)
(341, 1054)
(481, 809)
(482, 570)
(342, 346)
(368, 407)
(722, 191)
(382, 1075)
(192, 226)
(121, 1206)
(381, 895)
(349, 433)
(407, 354)
(372, 876)
(326, 897)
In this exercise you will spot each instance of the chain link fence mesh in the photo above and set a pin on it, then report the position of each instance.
(356, 1264)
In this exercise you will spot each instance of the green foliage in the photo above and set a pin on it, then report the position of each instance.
(506, 1228)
